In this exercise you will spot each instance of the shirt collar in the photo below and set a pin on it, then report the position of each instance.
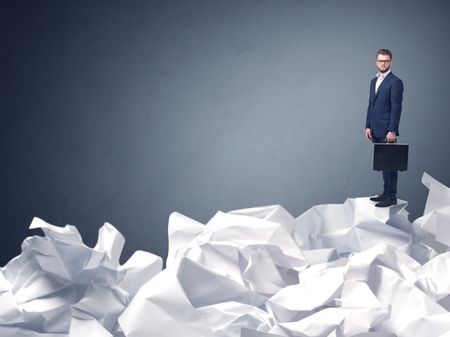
(382, 76)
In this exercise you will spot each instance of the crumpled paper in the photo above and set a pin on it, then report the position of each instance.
(356, 226)
(58, 286)
(436, 217)
(335, 271)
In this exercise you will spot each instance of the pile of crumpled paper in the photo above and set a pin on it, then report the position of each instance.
(335, 271)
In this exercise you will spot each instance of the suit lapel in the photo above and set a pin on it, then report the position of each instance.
(383, 84)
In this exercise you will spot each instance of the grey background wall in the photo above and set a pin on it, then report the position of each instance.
(124, 111)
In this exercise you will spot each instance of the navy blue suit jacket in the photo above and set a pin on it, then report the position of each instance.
(385, 106)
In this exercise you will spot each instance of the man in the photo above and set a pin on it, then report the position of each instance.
(383, 118)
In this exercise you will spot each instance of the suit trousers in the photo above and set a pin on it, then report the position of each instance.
(390, 178)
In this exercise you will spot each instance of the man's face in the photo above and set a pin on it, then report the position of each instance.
(383, 63)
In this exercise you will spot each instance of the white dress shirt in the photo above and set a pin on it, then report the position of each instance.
(381, 77)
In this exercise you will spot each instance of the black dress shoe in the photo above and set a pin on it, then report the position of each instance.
(387, 203)
(380, 197)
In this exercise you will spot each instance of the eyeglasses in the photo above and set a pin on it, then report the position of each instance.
(384, 61)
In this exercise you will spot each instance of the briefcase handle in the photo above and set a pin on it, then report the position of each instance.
(394, 142)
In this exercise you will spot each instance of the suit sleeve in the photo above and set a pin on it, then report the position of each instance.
(396, 105)
(368, 117)
(368, 108)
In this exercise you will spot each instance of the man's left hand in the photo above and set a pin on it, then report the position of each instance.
(390, 137)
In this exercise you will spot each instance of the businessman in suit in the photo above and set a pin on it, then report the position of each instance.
(383, 119)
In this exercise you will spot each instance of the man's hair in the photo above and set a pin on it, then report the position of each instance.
(384, 52)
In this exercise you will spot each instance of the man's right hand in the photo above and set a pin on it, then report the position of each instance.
(368, 134)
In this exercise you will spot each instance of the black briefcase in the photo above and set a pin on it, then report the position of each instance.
(390, 157)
